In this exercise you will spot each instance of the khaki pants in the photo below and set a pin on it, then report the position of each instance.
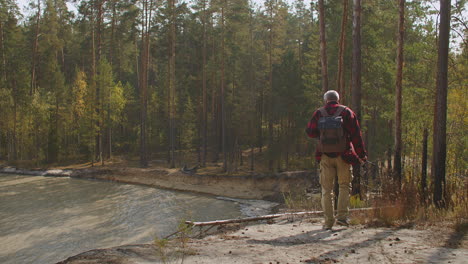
(329, 168)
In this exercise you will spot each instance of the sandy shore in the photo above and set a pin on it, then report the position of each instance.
(297, 241)
(250, 186)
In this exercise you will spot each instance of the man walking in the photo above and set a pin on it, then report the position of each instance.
(339, 146)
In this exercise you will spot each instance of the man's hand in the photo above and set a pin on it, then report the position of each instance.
(363, 160)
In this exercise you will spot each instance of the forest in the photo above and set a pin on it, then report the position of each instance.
(232, 82)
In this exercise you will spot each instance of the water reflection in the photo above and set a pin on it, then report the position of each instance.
(45, 219)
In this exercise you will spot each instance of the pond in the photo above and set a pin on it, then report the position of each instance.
(47, 219)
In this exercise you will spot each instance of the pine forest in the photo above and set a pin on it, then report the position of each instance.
(233, 83)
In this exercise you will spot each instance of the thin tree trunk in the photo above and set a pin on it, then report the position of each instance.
(272, 216)
(323, 47)
(223, 114)
(205, 97)
(252, 94)
(109, 131)
(4, 74)
(100, 19)
(424, 167)
(98, 142)
(143, 89)
(214, 101)
(1, 145)
(340, 86)
(34, 53)
(356, 87)
(169, 105)
(172, 82)
(356, 69)
(2, 45)
(342, 50)
(398, 93)
(153, 6)
(252, 146)
(260, 114)
(15, 110)
(270, 94)
(56, 154)
(98, 95)
(112, 36)
(440, 129)
(147, 9)
(288, 130)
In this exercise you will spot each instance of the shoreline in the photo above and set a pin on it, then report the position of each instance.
(268, 187)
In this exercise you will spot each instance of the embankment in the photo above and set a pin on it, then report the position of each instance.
(253, 186)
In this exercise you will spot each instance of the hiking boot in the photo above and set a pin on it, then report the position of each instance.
(342, 222)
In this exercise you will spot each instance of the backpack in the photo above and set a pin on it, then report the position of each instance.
(332, 137)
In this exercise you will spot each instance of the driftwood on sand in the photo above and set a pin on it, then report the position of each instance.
(266, 217)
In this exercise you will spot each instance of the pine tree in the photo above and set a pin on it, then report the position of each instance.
(440, 115)
(356, 87)
(398, 88)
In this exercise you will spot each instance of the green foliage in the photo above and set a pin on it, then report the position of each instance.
(355, 202)
(161, 248)
(176, 249)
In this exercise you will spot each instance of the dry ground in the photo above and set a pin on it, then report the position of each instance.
(299, 241)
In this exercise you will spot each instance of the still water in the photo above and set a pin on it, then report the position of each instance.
(46, 219)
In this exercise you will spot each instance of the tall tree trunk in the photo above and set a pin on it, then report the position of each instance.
(2, 46)
(214, 101)
(340, 86)
(97, 138)
(205, 97)
(356, 88)
(4, 75)
(398, 94)
(270, 93)
(424, 167)
(342, 50)
(34, 52)
(323, 47)
(100, 18)
(252, 147)
(172, 82)
(252, 93)
(56, 128)
(112, 34)
(146, 20)
(440, 116)
(94, 83)
(356, 69)
(111, 61)
(223, 114)
(100, 15)
(169, 107)
(15, 114)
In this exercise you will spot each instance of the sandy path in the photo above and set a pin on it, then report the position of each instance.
(304, 242)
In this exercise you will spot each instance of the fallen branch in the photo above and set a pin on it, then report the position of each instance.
(266, 217)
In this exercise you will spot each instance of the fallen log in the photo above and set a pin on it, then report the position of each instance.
(267, 217)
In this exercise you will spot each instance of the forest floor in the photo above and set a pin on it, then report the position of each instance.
(297, 241)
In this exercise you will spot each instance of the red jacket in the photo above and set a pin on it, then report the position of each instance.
(355, 146)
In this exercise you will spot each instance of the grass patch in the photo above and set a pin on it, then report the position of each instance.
(398, 207)
(301, 200)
